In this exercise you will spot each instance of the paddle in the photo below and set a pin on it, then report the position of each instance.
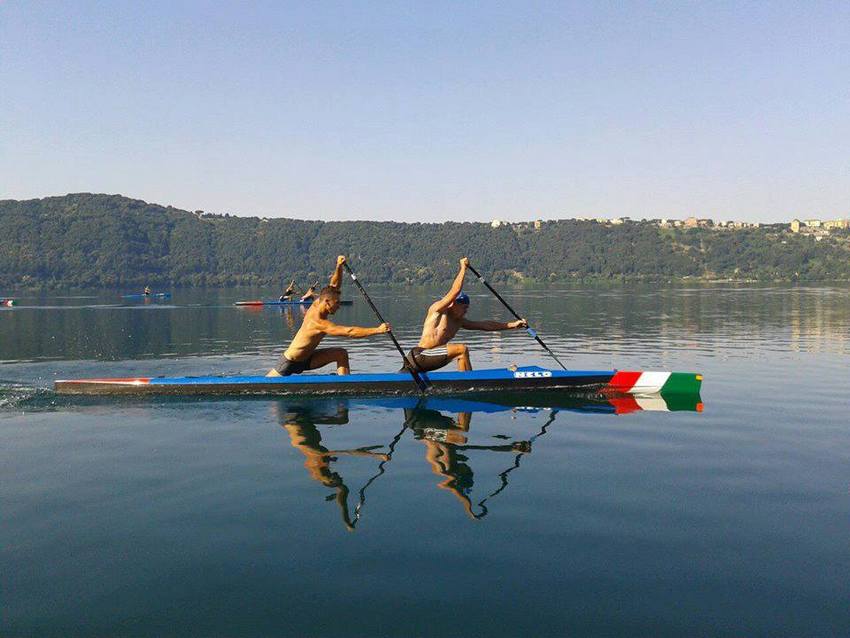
(420, 382)
(529, 329)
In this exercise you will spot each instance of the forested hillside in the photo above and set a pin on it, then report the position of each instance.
(110, 240)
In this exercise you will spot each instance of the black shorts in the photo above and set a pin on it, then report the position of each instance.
(431, 359)
(285, 367)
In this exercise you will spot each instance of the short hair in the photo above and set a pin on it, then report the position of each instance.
(329, 292)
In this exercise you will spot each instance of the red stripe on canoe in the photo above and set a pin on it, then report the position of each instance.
(623, 381)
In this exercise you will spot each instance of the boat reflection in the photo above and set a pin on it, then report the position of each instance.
(442, 427)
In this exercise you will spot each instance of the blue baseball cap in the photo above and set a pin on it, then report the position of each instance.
(462, 298)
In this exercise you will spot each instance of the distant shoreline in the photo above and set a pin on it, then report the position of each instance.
(110, 241)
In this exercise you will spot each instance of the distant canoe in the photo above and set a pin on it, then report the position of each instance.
(8, 303)
(153, 295)
(277, 302)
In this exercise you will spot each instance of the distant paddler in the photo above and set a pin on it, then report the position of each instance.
(445, 317)
(303, 353)
(148, 292)
(310, 295)
(289, 293)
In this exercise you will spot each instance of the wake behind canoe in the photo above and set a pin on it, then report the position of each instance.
(488, 380)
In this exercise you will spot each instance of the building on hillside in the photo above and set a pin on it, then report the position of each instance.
(813, 223)
(496, 223)
(691, 222)
(795, 225)
(837, 224)
(538, 224)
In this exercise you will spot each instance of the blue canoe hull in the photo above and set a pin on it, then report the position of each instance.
(497, 379)
(155, 295)
(276, 302)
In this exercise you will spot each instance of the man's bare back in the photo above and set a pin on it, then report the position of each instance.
(439, 328)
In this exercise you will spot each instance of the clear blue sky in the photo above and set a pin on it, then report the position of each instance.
(432, 110)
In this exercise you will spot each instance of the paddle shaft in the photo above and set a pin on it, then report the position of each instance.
(420, 382)
(529, 330)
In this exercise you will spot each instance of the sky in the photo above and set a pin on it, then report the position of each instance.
(432, 111)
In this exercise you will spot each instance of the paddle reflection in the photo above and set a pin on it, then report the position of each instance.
(442, 427)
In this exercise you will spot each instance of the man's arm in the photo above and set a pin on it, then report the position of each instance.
(454, 291)
(336, 277)
(493, 326)
(354, 332)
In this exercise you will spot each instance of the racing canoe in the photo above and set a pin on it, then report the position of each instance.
(276, 302)
(490, 380)
(8, 303)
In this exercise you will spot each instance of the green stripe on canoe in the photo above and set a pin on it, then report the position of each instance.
(682, 383)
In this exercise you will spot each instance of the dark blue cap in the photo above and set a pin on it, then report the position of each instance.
(462, 298)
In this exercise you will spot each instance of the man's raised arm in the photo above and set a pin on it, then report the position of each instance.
(336, 277)
(454, 291)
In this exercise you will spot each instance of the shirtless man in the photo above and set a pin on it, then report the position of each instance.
(289, 292)
(302, 354)
(445, 317)
(310, 295)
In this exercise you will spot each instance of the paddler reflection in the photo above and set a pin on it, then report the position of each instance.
(300, 420)
(445, 442)
(289, 317)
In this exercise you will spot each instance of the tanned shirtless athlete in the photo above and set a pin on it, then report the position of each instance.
(445, 317)
(303, 353)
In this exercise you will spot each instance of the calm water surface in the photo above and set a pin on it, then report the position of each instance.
(258, 517)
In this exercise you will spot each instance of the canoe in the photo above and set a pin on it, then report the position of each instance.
(153, 295)
(277, 302)
(490, 380)
(8, 303)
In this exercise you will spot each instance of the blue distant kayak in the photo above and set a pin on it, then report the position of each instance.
(153, 295)
(278, 302)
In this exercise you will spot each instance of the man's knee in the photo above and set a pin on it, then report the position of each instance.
(458, 350)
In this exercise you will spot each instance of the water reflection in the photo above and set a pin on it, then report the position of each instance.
(300, 421)
(445, 442)
(443, 428)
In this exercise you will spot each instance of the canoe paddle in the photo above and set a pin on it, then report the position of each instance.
(529, 329)
(420, 382)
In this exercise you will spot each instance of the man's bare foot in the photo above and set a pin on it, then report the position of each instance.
(273, 373)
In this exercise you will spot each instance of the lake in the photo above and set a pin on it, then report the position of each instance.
(346, 517)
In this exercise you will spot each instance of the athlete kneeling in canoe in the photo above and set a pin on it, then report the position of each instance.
(310, 295)
(445, 317)
(289, 292)
(302, 354)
